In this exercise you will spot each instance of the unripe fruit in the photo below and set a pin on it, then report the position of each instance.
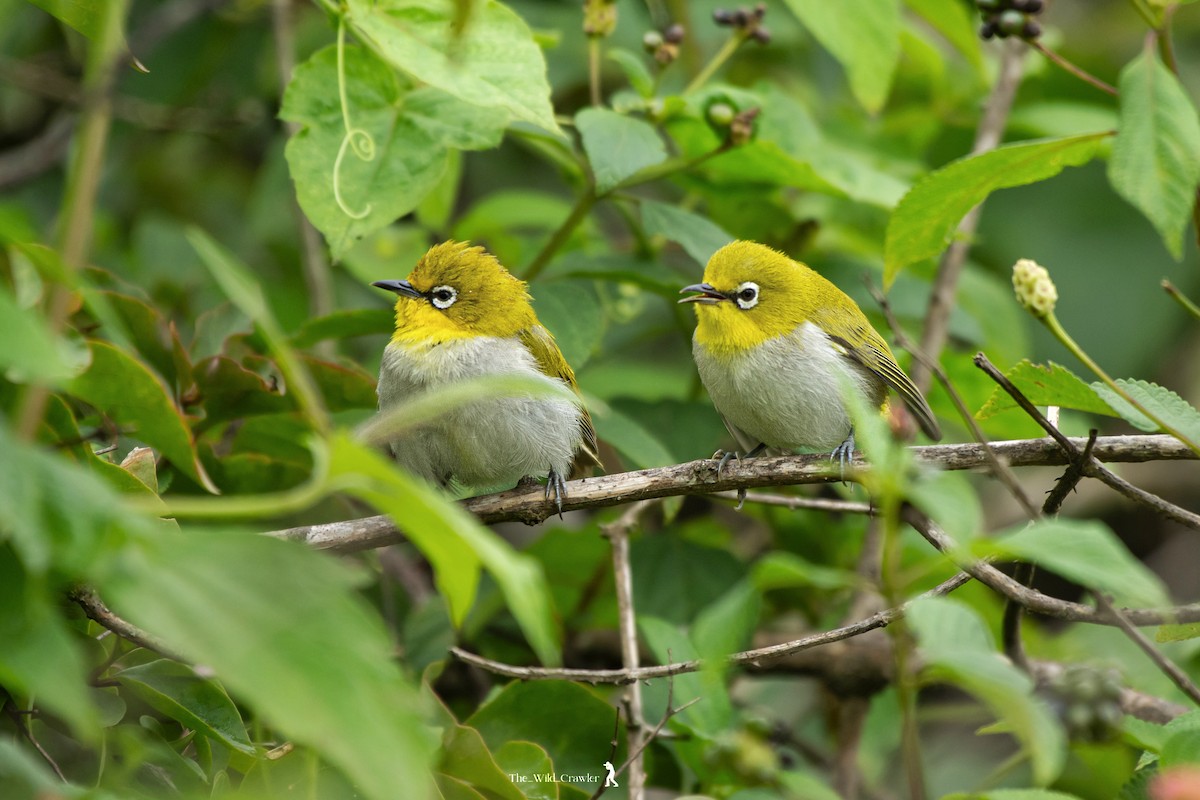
(721, 114)
(1011, 22)
(652, 40)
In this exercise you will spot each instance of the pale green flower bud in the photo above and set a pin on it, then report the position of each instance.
(1035, 291)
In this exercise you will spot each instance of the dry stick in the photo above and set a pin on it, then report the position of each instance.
(95, 609)
(1166, 665)
(618, 533)
(700, 478)
(1092, 468)
(668, 713)
(987, 136)
(15, 715)
(1135, 704)
(795, 502)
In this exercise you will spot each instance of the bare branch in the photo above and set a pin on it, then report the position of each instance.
(1166, 665)
(700, 477)
(94, 607)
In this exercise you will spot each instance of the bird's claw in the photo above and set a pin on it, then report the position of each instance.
(724, 457)
(843, 453)
(556, 487)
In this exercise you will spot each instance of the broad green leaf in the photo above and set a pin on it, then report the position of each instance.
(617, 145)
(1013, 794)
(40, 658)
(1177, 633)
(526, 759)
(294, 640)
(958, 649)
(491, 62)
(1158, 400)
(535, 711)
(34, 352)
(957, 22)
(1085, 552)
(674, 578)
(863, 35)
(343, 325)
(670, 645)
(727, 624)
(783, 570)
(25, 774)
(953, 501)
(197, 703)
(926, 217)
(230, 391)
(636, 72)
(465, 756)
(407, 132)
(571, 311)
(85, 16)
(1155, 162)
(124, 388)
(1047, 384)
(455, 543)
(1181, 747)
(699, 236)
(641, 447)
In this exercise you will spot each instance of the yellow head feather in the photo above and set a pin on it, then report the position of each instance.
(466, 293)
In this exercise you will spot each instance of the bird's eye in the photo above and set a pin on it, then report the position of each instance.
(443, 296)
(746, 295)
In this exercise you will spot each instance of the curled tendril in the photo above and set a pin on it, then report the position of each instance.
(356, 139)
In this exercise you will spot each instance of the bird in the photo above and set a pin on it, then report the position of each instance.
(775, 342)
(461, 315)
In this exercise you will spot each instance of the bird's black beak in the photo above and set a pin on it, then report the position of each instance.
(705, 294)
(403, 288)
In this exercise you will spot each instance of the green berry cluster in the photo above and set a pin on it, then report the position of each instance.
(1088, 701)
(747, 20)
(1005, 18)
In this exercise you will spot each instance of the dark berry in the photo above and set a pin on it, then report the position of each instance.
(1031, 30)
(762, 35)
(988, 29)
(988, 5)
(760, 11)
(674, 33)
(1029, 6)
(722, 16)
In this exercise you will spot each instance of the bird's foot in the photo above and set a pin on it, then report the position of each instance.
(842, 453)
(556, 487)
(725, 456)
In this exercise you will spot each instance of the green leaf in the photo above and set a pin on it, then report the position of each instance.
(670, 645)
(40, 658)
(201, 704)
(1155, 162)
(1050, 384)
(634, 442)
(491, 62)
(465, 756)
(85, 16)
(863, 35)
(1177, 633)
(535, 712)
(636, 72)
(1013, 794)
(571, 311)
(617, 145)
(525, 760)
(958, 649)
(411, 131)
(343, 325)
(454, 542)
(295, 641)
(1086, 552)
(782, 570)
(1159, 401)
(42, 356)
(926, 217)
(125, 389)
(957, 22)
(699, 236)
(727, 624)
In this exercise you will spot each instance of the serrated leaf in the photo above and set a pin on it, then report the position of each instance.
(411, 131)
(1155, 162)
(201, 704)
(957, 22)
(1159, 401)
(1086, 552)
(699, 236)
(926, 217)
(124, 388)
(1048, 384)
(492, 61)
(617, 145)
(957, 648)
(863, 35)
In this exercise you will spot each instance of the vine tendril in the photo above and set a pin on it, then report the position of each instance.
(358, 140)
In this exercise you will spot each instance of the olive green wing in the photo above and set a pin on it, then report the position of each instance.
(873, 353)
(550, 361)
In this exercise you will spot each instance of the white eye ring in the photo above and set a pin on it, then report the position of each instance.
(746, 295)
(443, 296)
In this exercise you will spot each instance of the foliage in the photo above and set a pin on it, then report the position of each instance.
(184, 370)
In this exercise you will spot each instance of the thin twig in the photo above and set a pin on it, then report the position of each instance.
(21, 724)
(1074, 69)
(945, 285)
(1165, 665)
(795, 502)
(97, 611)
(618, 534)
(1181, 298)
